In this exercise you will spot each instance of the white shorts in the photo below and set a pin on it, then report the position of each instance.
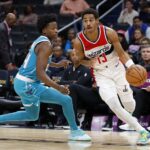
(112, 81)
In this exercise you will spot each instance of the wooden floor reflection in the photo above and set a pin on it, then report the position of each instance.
(46, 139)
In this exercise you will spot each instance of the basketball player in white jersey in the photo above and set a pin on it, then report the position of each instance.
(98, 47)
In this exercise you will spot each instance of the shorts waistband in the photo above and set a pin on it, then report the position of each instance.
(23, 78)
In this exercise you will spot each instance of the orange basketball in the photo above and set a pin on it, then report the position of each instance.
(136, 75)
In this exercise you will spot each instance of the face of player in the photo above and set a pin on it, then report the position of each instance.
(51, 30)
(90, 24)
(145, 53)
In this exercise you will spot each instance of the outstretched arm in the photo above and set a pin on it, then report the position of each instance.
(43, 51)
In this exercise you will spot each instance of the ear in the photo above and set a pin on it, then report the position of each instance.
(97, 21)
(44, 31)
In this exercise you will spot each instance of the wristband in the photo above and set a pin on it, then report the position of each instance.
(129, 63)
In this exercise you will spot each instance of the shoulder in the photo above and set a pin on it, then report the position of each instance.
(77, 41)
(111, 34)
(68, 68)
(82, 67)
(135, 12)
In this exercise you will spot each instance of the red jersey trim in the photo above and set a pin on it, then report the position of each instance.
(101, 40)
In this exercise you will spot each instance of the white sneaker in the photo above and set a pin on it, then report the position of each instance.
(126, 127)
(79, 135)
(148, 128)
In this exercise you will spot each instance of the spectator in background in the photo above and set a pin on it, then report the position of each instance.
(52, 2)
(57, 41)
(138, 35)
(134, 47)
(29, 17)
(70, 36)
(6, 42)
(137, 23)
(74, 8)
(122, 39)
(145, 41)
(145, 12)
(56, 72)
(128, 13)
(76, 73)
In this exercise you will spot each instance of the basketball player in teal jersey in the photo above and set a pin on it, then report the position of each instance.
(28, 80)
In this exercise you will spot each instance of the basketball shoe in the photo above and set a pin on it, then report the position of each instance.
(144, 138)
(79, 135)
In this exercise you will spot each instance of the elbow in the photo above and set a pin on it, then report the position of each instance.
(40, 74)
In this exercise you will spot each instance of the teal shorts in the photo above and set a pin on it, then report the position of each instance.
(29, 92)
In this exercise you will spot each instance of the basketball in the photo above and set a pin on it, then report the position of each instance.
(136, 75)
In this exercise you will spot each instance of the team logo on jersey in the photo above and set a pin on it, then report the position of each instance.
(97, 51)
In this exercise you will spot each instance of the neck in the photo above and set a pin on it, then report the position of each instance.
(129, 10)
(76, 65)
(92, 36)
(147, 62)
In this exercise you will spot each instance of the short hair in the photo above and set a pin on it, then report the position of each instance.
(90, 11)
(131, 1)
(137, 17)
(144, 46)
(43, 21)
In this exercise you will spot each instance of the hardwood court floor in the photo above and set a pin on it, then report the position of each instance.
(46, 139)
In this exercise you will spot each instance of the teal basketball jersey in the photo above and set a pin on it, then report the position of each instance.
(28, 69)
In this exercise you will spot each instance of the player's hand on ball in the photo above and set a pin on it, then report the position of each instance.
(136, 75)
